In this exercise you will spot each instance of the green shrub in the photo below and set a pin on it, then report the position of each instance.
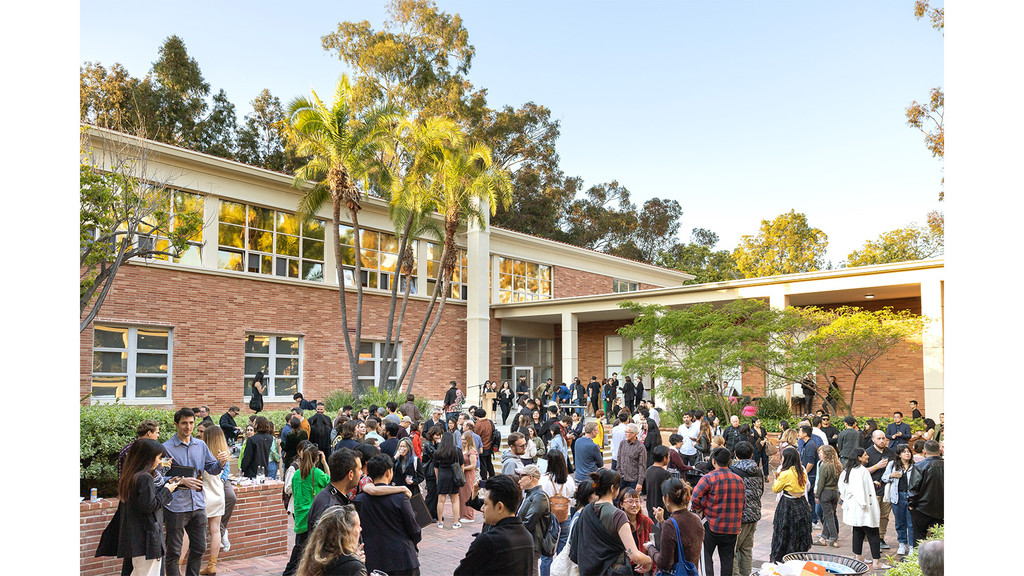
(372, 396)
(909, 566)
(774, 407)
(104, 431)
(337, 400)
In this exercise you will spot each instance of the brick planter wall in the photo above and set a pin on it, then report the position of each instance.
(258, 527)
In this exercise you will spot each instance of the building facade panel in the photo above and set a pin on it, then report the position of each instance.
(210, 316)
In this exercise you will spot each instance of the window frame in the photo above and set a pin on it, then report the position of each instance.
(629, 286)
(348, 270)
(276, 256)
(131, 364)
(460, 287)
(270, 377)
(377, 353)
(525, 294)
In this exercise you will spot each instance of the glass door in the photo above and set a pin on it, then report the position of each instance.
(528, 372)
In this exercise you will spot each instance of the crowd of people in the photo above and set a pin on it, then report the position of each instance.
(360, 487)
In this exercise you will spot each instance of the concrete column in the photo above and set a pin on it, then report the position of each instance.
(932, 306)
(478, 320)
(211, 219)
(570, 347)
(330, 258)
(779, 300)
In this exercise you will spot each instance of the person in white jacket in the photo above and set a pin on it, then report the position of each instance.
(860, 507)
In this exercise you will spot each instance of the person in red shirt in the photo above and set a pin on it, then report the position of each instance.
(718, 497)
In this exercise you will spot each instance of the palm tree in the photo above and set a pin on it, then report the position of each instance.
(464, 180)
(338, 147)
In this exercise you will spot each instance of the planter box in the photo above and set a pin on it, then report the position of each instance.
(258, 527)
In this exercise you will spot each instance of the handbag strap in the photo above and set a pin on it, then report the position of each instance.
(679, 542)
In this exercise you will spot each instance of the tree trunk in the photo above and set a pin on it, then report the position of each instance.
(336, 239)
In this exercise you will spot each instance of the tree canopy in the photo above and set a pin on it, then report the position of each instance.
(912, 242)
(784, 245)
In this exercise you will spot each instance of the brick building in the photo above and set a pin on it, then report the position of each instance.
(258, 290)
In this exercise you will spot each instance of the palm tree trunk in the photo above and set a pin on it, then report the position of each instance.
(390, 343)
(336, 239)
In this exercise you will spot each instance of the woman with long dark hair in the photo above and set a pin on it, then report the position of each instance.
(257, 449)
(505, 397)
(307, 482)
(899, 475)
(445, 456)
(431, 440)
(602, 541)
(704, 440)
(675, 494)
(791, 527)
(869, 428)
(860, 507)
(760, 436)
(333, 547)
(141, 541)
(408, 472)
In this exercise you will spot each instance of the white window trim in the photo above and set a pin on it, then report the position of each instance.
(271, 357)
(131, 350)
(378, 362)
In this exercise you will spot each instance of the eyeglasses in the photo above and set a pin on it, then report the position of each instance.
(523, 445)
(631, 501)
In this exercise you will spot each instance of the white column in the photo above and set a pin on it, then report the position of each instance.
(779, 300)
(570, 347)
(211, 225)
(330, 259)
(933, 348)
(478, 320)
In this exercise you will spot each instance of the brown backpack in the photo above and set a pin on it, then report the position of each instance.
(559, 505)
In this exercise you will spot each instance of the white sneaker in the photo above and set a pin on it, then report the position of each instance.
(225, 545)
(902, 550)
(456, 526)
(470, 520)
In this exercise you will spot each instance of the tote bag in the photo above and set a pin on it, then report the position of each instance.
(562, 565)
(683, 566)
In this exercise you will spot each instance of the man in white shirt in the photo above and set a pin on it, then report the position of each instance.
(689, 430)
(655, 413)
(618, 435)
(817, 431)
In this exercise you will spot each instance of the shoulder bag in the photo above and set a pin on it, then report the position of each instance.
(562, 565)
(559, 504)
(683, 566)
(549, 540)
(770, 448)
(458, 474)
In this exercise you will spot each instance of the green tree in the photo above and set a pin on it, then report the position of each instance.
(261, 137)
(464, 184)
(125, 212)
(339, 148)
(657, 224)
(850, 340)
(913, 242)
(113, 99)
(418, 62)
(217, 131)
(927, 117)
(785, 245)
(602, 219)
(698, 257)
(180, 92)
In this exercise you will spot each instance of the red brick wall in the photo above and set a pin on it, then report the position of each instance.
(591, 346)
(570, 282)
(210, 315)
(888, 384)
(258, 527)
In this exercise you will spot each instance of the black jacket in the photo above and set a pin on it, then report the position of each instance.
(142, 520)
(320, 426)
(228, 425)
(535, 512)
(345, 566)
(427, 461)
(928, 489)
(390, 541)
(505, 549)
(732, 436)
(410, 467)
(449, 397)
(753, 488)
(257, 453)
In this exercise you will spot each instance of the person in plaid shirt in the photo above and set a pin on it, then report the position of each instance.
(718, 497)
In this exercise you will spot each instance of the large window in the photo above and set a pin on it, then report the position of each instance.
(460, 280)
(379, 259)
(280, 360)
(266, 241)
(372, 363)
(131, 363)
(535, 353)
(624, 286)
(173, 203)
(520, 281)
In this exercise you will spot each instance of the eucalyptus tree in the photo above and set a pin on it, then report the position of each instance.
(339, 148)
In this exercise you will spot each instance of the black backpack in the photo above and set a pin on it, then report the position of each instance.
(495, 439)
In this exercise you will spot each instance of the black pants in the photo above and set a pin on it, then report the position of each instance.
(431, 498)
(726, 544)
(178, 523)
(874, 542)
(297, 550)
(810, 497)
(486, 466)
(809, 404)
(505, 409)
(922, 522)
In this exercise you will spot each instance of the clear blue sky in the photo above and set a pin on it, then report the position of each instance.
(738, 110)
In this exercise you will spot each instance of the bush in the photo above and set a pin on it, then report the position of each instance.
(774, 407)
(104, 431)
(372, 396)
(909, 565)
(337, 400)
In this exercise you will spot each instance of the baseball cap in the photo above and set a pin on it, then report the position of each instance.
(530, 470)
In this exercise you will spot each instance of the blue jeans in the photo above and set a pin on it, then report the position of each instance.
(563, 537)
(272, 470)
(815, 509)
(904, 522)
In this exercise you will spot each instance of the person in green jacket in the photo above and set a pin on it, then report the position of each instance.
(307, 481)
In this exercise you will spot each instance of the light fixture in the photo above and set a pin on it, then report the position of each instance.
(869, 296)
